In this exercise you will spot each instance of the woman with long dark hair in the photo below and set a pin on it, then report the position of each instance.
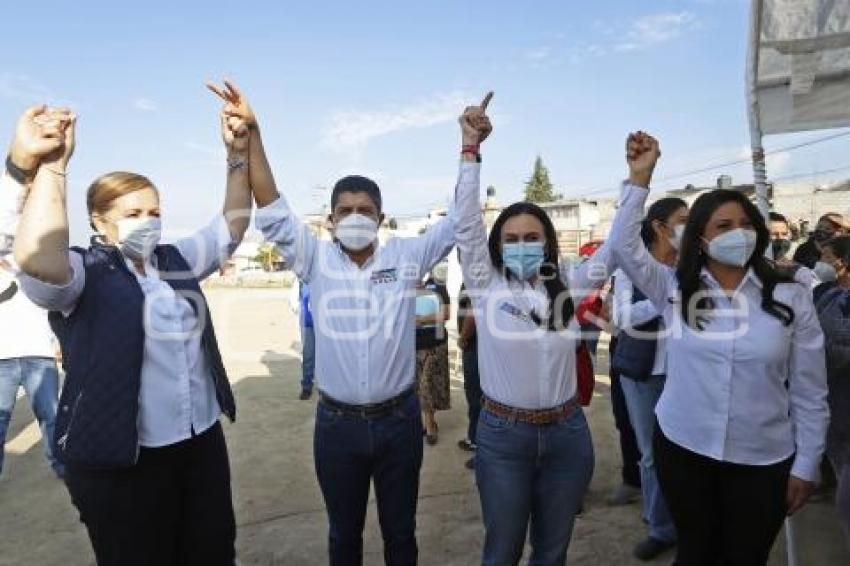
(535, 456)
(743, 415)
(641, 361)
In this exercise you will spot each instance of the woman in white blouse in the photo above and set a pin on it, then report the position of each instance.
(743, 415)
(535, 456)
(640, 360)
(138, 428)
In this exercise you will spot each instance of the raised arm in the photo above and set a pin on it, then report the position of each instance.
(470, 232)
(438, 241)
(275, 218)
(654, 279)
(41, 241)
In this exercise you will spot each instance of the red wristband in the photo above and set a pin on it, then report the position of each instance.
(473, 149)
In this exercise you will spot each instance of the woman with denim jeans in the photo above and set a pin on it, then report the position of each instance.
(535, 455)
(641, 363)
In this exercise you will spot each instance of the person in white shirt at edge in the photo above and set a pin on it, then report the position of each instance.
(743, 416)
(27, 359)
(147, 464)
(535, 455)
(368, 424)
(641, 362)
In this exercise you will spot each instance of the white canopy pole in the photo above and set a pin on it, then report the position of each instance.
(759, 170)
(760, 179)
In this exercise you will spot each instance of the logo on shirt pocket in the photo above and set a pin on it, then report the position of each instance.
(384, 276)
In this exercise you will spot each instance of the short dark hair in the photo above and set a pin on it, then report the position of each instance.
(356, 184)
(776, 217)
(840, 246)
(833, 218)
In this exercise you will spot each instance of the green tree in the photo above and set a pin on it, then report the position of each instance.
(267, 256)
(539, 188)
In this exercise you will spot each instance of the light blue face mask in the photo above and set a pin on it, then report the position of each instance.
(523, 259)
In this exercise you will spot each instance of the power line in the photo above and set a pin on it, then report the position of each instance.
(749, 160)
(723, 165)
(813, 174)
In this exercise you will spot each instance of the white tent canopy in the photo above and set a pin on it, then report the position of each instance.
(803, 65)
(798, 72)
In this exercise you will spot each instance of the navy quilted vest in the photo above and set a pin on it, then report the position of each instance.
(634, 356)
(102, 347)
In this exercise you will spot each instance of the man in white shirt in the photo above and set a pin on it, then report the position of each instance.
(27, 359)
(362, 299)
(27, 347)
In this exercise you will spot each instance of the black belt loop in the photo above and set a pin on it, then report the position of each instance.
(373, 410)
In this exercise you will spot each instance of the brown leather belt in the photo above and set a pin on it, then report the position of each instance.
(532, 416)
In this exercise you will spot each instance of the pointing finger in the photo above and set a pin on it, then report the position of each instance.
(486, 101)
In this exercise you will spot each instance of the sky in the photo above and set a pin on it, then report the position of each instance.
(375, 87)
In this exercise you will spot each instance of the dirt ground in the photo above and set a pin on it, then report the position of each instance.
(279, 510)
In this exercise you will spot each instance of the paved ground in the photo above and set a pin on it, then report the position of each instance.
(279, 509)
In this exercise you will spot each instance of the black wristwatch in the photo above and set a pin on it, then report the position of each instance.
(22, 176)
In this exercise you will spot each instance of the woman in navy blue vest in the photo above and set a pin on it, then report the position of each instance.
(640, 360)
(138, 425)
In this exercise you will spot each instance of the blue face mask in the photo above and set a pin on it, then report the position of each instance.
(523, 259)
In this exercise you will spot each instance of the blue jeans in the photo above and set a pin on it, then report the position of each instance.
(352, 451)
(641, 398)
(40, 380)
(308, 356)
(536, 474)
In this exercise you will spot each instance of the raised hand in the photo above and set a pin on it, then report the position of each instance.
(235, 133)
(474, 124)
(40, 135)
(642, 154)
(235, 103)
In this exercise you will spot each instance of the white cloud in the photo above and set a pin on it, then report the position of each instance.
(656, 29)
(23, 88)
(348, 130)
(145, 105)
(538, 53)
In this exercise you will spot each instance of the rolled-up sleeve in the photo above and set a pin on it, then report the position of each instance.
(61, 298)
(807, 388)
(297, 243)
(208, 248)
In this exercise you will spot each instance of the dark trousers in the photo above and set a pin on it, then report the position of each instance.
(173, 508)
(724, 513)
(472, 389)
(350, 452)
(629, 451)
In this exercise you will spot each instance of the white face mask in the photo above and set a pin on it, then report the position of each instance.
(825, 272)
(735, 247)
(676, 238)
(137, 237)
(440, 272)
(356, 232)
